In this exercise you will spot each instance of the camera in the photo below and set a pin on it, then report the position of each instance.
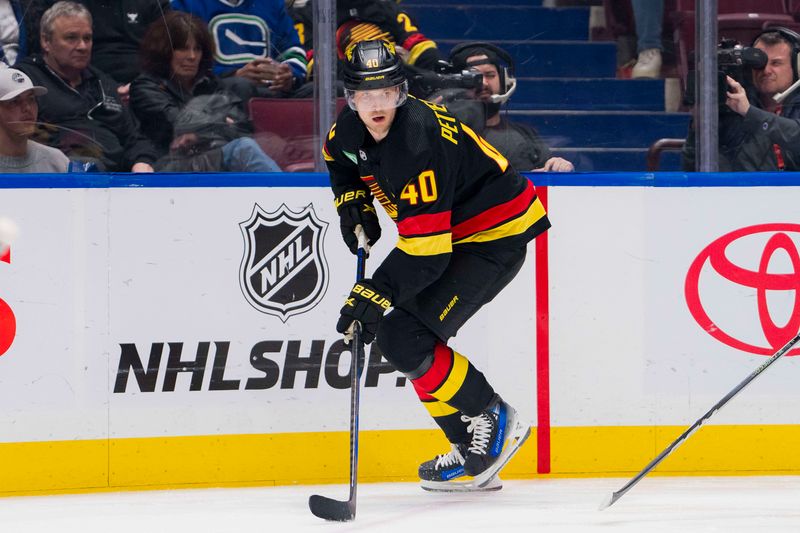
(736, 60)
(446, 76)
(733, 60)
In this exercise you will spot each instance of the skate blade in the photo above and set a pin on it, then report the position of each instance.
(462, 486)
(519, 434)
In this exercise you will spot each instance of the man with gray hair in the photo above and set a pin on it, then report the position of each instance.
(18, 113)
(82, 113)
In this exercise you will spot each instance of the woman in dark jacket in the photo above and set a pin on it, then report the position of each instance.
(195, 119)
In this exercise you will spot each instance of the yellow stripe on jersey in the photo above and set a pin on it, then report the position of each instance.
(439, 409)
(487, 148)
(427, 245)
(454, 381)
(513, 227)
(417, 50)
(325, 154)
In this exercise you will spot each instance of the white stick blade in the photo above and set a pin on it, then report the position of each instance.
(606, 503)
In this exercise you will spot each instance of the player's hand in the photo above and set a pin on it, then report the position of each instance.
(737, 98)
(366, 304)
(355, 207)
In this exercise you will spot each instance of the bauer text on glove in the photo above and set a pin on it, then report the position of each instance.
(355, 208)
(365, 304)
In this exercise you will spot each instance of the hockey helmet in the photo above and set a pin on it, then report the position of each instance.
(371, 65)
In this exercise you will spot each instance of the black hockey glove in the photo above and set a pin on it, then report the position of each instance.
(355, 207)
(365, 304)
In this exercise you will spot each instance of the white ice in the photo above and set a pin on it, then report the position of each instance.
(686, 504)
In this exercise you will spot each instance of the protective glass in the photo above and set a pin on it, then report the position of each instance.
(377, 99)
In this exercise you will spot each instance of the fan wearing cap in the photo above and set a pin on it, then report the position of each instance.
(18, 115)
(464, 218)
(519, 142)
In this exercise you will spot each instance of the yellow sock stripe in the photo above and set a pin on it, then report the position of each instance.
(430, 245)
(454, 381)
(513, 227)
(438, 409)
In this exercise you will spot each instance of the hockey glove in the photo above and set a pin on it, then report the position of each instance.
(355, 207)
(366, 305)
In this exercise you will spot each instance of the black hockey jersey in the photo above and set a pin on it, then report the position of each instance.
(441, 183)
(365, 20)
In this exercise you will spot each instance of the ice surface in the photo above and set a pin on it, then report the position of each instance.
(687, 504)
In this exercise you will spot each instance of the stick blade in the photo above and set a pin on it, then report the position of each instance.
(608, 501)
(330, 509)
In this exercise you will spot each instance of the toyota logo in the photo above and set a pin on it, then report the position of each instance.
(756, 274)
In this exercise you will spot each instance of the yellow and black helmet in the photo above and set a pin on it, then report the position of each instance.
(372, 65)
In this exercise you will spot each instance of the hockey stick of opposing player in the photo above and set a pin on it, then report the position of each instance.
(322, 506)
(609, 501)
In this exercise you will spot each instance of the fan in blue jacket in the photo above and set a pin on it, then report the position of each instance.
(255, 39)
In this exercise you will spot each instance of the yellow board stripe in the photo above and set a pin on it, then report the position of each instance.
(429, 245)
(57, 467)
(453, 383)
(439, 409)
(418, 49)
(513, 227)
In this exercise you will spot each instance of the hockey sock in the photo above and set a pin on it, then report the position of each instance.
(448, 385)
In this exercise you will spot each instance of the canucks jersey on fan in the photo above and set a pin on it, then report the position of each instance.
(245, 30)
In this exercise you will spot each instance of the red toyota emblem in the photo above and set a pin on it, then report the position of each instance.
(757, 277)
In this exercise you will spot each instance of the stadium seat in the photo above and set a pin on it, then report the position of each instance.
(284, 128)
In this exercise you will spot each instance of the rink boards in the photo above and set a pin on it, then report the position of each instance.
(178, 330)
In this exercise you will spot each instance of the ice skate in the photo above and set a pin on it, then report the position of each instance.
(445, 473)
(497, 434)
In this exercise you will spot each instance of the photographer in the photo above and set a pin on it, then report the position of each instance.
(756, 132)
(518, 142)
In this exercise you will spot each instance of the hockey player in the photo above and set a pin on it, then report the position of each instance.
(464, 218)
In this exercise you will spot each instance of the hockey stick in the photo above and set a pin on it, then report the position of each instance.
(610, 500)
(322, 506)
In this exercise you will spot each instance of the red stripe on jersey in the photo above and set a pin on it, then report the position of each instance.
(497, 214)
(345, 27)
(439, 370)
(424, 224)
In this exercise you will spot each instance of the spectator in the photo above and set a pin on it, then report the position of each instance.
(19, 27)
(18, 114)
(518, 142)
(206, 133)
(648, 15)
(361, 20)
(10, 29)
(28, 13)
(756, 132)
(115, 49)
(82, 113)
(255, 39)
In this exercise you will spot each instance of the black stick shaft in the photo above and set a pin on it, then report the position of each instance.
(355, 387)
(321, 506)
(702, 420)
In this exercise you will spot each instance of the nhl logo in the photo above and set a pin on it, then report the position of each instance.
(283, 271)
